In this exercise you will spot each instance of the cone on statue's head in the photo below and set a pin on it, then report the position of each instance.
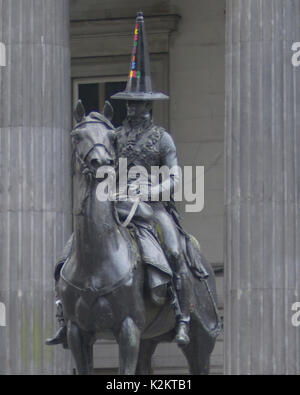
(139, 86)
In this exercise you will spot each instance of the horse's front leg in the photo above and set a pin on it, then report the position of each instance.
(128, 339)
(81, 348)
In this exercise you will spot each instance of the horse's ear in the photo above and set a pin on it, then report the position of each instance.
(79, 112)
(108, 110)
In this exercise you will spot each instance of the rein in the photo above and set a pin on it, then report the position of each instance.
(88, 173)
(85, 171)
(130, 215)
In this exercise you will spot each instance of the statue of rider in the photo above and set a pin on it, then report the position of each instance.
(142, 143)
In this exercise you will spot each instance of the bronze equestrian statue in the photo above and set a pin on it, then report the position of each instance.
(130, 271)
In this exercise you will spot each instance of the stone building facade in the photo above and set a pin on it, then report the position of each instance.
(233, 109)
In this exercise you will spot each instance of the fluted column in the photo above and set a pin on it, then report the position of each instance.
(262, 244)
(35, 193)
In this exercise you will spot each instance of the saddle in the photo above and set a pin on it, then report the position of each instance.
(150, 245)
(158, 273)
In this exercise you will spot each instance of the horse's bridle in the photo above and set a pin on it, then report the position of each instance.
(84, 167)
(91, 173)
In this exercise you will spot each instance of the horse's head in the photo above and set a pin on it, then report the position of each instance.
(93, 142)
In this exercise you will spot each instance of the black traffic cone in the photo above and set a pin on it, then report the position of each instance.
(139, 85)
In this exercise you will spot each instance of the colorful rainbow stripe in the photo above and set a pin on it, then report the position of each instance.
(133, 72)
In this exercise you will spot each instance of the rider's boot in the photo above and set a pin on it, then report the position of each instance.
(61, 335)
(179, 294)
(182, 288)
(182, 337)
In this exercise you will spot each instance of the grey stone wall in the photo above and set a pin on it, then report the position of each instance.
(35, 193)
(262, 187)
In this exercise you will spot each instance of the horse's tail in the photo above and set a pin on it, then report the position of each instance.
(206, 289)
(67, 252)
(197, 263)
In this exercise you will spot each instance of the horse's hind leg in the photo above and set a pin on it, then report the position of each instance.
(147, 349)
(198, 353)
(82, 350)
(128, 339)
(198, 360)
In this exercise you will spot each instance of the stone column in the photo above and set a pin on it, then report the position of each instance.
(35, 190)
(262, 244)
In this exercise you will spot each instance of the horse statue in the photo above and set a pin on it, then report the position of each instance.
(103, 283)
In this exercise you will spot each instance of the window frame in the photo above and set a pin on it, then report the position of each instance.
(94, 80)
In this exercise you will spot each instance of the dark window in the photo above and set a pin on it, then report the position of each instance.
(89, 95)
(94, 95)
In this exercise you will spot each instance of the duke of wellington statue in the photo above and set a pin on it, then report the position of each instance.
(130, 271)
